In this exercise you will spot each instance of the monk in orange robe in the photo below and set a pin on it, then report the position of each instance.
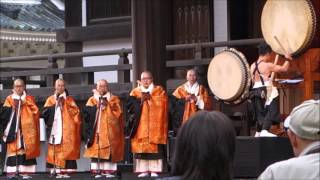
(62, 118)
(192, 97)
(20, 120)
(104, 131)
(147, 106)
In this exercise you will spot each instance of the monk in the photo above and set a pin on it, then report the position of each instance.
(104, 131)
(20, 120)
(62, 118)
(147, 106)
(190, 98)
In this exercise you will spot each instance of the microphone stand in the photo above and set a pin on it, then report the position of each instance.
(99, 170)
(98, 141)
(54, 173)
(17, 138)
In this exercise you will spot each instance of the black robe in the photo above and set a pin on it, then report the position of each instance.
(48, 116)
(134, 109)
(176, 111)
(89, 114)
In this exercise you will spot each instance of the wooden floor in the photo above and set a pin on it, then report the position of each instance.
(124, 176)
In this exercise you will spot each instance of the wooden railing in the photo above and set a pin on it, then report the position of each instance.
(197, 47)
(52, 72)
(123, 67)
(198, 56)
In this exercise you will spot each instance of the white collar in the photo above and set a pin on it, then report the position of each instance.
(97, 96)
(192, 89)
(17, 97)
(149, 89)
(63, 95)
(310, 147)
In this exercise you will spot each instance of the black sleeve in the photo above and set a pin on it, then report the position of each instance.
(5, 113)
(89, 115)
(134, 114)
(176, 111)
(48, 116)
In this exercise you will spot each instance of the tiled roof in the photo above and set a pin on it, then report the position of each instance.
(42, 17)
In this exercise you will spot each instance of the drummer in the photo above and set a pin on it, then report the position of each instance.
(266, 108)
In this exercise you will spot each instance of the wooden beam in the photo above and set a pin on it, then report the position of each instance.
(33, 82)
(188, 62)
(95, 32)
(4, 69)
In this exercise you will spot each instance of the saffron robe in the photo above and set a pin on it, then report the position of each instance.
(152, 128)
(69, 149)
(29, 126)
(111, 129)
(191, 107)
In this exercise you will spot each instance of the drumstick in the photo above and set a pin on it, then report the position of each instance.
(273, 73)
(282, 48)
(277, 56)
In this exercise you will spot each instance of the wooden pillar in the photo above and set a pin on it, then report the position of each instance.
(201, 70)
(52, 64)
(123, 75)
(73, 18)
(308, 81)
(149, 34)
(221, 22)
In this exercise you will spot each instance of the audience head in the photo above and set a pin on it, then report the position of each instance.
(303, 125)
(205, 147)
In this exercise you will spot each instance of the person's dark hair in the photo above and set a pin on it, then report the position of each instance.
(264, 48)
(205, 148)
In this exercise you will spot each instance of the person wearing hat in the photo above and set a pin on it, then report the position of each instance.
(303, 125)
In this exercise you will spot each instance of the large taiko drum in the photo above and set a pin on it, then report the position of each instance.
(229, 76)
(294, 22)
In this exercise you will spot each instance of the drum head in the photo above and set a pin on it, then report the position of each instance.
(228, 75)
(291, 21)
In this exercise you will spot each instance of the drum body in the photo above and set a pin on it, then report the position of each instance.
(294, 22)
(229, 76)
